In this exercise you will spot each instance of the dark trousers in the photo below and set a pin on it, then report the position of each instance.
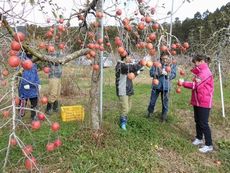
(201, 116)
(164, 101)
(33, 102)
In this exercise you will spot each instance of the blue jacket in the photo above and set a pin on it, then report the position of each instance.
(164, 81)
(29, 77)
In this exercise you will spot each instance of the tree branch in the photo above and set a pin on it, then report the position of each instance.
(39, 57)
(64, 59)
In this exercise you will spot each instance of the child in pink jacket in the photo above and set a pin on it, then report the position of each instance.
(202, 92)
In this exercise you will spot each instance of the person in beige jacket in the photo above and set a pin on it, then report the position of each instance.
(54, 88)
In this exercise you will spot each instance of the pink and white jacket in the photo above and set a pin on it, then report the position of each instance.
(202, 86)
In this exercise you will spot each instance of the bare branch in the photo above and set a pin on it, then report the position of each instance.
(40, 57)
(65, 59)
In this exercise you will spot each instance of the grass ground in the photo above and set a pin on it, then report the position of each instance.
(147, 145)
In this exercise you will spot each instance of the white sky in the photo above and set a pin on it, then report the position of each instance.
(186, 10)
(189, 9)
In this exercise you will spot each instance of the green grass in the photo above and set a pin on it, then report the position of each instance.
(147, 145)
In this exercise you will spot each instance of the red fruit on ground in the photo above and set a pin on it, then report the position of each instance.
(50, 147)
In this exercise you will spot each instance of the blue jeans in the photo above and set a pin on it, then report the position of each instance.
(164, 101)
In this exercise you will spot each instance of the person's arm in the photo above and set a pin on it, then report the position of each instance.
(172, 75)
(197, 82)
(128, 68)
(153, 72)
(37, 80)
(189, 85)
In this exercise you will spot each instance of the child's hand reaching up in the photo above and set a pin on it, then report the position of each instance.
(180, 82)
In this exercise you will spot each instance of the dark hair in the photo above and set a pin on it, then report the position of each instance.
(123, 57)
(200, 57)
(164, 53)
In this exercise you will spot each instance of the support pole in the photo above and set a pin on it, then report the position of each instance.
(170, 37)
(101, 65)
(221, 85)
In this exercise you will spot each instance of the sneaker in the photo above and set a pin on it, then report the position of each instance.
(197, 142)
(149, 115)
(206, 149)
(123, 122)
(123, 126)
(163, 121)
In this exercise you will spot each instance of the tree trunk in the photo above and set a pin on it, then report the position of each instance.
(95, 81)
(94, 103)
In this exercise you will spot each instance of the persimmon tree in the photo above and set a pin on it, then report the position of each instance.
(10, 105)
(138, 30)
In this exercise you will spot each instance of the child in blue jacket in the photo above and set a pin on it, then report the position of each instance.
(29, 87)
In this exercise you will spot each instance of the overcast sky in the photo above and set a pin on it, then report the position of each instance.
(129, 6)
(189, 9)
